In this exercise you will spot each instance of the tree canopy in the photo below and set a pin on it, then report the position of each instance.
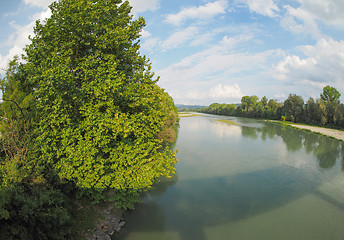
(327, 110)
(100, 108)
(87, 114)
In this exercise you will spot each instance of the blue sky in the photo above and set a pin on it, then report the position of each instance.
(209, 51)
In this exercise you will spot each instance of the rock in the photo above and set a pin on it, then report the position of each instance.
(100, 235)
(110, 221)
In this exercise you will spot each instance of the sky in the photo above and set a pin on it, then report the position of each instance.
(208, 51)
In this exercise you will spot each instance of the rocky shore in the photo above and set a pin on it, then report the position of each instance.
(110, 221)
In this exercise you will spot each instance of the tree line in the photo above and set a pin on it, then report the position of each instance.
(324, 111)
(82, 120)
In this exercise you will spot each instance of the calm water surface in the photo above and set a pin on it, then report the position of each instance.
(255, 180)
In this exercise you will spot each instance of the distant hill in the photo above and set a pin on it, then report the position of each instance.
(182, 106)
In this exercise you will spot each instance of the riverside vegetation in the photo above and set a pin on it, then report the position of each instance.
(82, 121)
(326, 111)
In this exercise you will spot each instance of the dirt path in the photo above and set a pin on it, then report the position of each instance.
(338, 134)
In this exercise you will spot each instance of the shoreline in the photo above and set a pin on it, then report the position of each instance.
(334, 133)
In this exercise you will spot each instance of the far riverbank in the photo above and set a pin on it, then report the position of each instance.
(337, 134)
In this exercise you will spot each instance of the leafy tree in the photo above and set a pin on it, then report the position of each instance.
(231, 109)
(213, 108)
(259, 110)
(28, 209)
(264, 101)
(35, 212)
(248, 102)
(313, 112)
(103, 122)
(293, 107)
(330, 97)
(100, 108)
(272, 108)
(16, 123)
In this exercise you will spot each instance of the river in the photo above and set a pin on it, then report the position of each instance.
(248, 180)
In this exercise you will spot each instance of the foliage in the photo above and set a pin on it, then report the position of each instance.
(324, 111)
(16, 125)
(249, 102)
(35, 213)
(83, 117)
(330, 98)
(293, 107)
(100, 107)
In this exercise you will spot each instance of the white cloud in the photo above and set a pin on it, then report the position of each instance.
(209, 10)
(138, 5)
(296, 66)
(323, 64)
(298, 20)
(144, 5)
(150, 44)
(39, 3)
(306, 17)
(20, 39)
(179, 38)
(145, 34)
(196, 36)
(212, 74)
(205, 96)
(264, 7)
(226, 92)
(329, 11)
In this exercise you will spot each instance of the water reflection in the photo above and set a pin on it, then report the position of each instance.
(342, 156)
(326, 150)
(193, 205)
(225, 180)
(161, 187)
(224, 130)
(249, 132)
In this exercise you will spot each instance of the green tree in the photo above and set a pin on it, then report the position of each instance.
(330, 97)
(293, 107)
(231, 109)
(101, 113)
(28, 208)
(213, 108)
(264, 101)
(272, 108)
(259, 110)
(248, 103)
(16, 123)
(35, 212)
(313, 112)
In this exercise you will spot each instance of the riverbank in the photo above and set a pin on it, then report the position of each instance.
(337, 134)
(329, 132)
(104, 221)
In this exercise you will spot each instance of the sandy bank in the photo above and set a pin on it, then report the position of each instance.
(338, 134)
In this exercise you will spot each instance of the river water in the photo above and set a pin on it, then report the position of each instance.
(254, 180)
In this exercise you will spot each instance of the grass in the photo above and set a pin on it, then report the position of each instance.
(226, 121)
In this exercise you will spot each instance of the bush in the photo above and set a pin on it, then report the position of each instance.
(35, 212)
